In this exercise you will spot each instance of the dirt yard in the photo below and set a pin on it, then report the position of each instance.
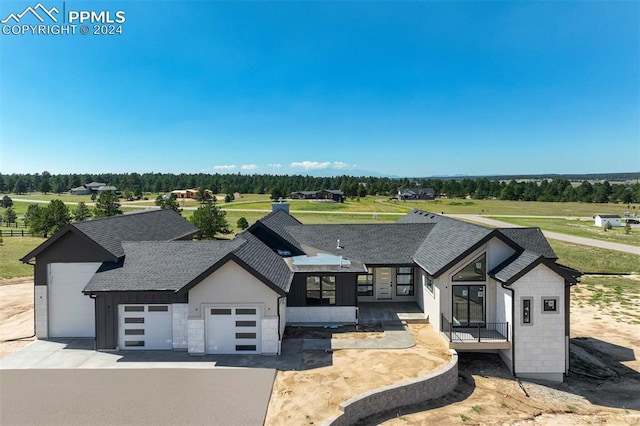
(604, 386)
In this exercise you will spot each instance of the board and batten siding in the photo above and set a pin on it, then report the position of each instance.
(346, 292)
(70, 248)
(107, 311)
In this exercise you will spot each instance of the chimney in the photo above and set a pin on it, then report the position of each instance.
(280, 205)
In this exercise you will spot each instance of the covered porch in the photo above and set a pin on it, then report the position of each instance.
(375, 313)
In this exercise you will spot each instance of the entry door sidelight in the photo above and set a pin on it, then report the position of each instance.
(468, 305)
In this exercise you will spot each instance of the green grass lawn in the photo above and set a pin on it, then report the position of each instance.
(580, 228)
(12, 249)
(593, 259)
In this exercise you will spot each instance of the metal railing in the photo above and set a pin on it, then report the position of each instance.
(481, 332)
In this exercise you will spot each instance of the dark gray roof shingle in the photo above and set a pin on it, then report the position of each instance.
(531, 239)
(373, 244)
(515, 265)
(173, 265)
(277, 222)
(149, 225)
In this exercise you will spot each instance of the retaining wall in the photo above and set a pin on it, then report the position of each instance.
(409, 392)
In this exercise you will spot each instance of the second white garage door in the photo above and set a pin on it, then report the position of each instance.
(145, 327)
(234, 330)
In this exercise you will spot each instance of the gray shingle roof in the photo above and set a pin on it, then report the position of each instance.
(372, 244)
(174, 265)
(514, 266)
(531, 239)
(277, 222)
(109, 232)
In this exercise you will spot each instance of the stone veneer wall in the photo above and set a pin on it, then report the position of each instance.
(180, 313)
(41, 310)
(270, 341)
(431, 386)
(196, 336)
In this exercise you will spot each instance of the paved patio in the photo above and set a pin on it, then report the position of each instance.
(375, 313)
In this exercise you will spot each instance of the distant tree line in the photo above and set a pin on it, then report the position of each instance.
(557, 189)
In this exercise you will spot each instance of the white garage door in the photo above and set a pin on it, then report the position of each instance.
(71, 313)
(145, 327)
(234, 329)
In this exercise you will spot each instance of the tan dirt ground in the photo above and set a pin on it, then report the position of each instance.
(16, 314)
(486, 395)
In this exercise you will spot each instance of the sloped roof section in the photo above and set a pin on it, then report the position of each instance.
(512, 268)
(531, 239)
(374, 244)
(278, 222)
(175, 265)
(109, 232)
(151, 225)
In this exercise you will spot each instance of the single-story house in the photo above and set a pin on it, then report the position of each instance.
(416, 194)
(189, 193)
(130, 282)
(92, 188)
(324, 194)
(602, 220)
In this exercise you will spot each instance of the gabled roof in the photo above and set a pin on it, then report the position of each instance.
(109, 232)
(520, 264)
(530, 239)
(277, 222)
(373, 244)
(179, 265)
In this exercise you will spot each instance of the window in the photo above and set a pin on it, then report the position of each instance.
(245, 335)
(134, 308)
(161, 308)
(220, 311)
(404, 281)
(365, 285)
(430, 283)
(240, 348)
(245, 323)
(134, 332)
(134, 320)
(468, 305)
(245, 311)
(549, 304)
(474, 271)
(526, 310)
(321, 290)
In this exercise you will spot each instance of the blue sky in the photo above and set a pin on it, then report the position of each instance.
(393, 88)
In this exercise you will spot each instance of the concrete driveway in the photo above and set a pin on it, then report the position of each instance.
(147, 396)
(66, 382)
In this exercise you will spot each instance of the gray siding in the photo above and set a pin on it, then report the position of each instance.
(345, 290)
(107, 311)
(70, 248)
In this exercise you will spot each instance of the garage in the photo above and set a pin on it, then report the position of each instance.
(145, 327)
(71, 313)
(234, 330)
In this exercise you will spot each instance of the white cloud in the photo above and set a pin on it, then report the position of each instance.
(249, 167)
(317, 165)
(225, 167)
(310, 165)
(275, 165)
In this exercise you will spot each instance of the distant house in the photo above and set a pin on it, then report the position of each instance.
(602, 220)
(92, 188)
(416, 194)
(189, 193)
(324, 194)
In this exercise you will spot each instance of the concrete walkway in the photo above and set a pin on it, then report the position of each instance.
(556, 236)
(396, 336)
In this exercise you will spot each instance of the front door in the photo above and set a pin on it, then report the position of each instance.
(468, 305)
(383, 284)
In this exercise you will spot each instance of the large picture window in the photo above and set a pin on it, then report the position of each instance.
(474, 271)
(365, 285)
(468, 305)
(321, 290)
(404, 281)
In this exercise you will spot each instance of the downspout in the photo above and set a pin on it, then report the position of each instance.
(95, 321)
(279, 327)
(513, 328)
